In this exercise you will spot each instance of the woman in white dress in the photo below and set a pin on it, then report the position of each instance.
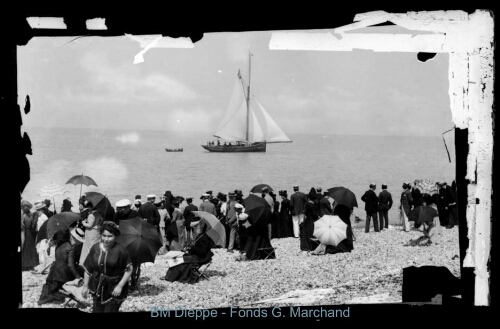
(92, 235)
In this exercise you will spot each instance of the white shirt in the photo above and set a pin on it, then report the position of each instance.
(41, 219)
(223, 208)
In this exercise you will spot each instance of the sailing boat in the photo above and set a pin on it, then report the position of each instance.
(246, 126)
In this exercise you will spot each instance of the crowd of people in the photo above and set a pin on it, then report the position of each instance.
(443, 200)
(88, 256)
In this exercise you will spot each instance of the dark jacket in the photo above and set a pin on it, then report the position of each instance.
(149, 212)
(188, 215)
(297, 203)
(384, 200)
(325, 208)
(370, 199)
(122, 216)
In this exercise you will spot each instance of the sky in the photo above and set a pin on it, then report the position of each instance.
(92, 82)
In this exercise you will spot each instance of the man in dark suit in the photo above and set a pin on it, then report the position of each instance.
(384, 204)
(370, 199)
(325, 208)
(298, 201)
(188, 217)
(149, 212)
(123, 211)
(445, 198)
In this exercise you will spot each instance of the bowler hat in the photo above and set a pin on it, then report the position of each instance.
(373, 186)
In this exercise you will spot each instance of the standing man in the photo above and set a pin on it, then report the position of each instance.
(49, 213)
(137, 203)
(297, 204)
(123, 211)
(149, 212)
(206, 205)
(406, 205)
(370, 199)
(325, 208)
(385, 203)
(188, 218)
(445, 198)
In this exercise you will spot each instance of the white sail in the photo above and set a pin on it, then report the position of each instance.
(233, 126)
(272, 133)
(261, 127)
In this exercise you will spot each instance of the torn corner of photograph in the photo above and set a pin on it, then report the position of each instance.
(96, 24)
(47, 23)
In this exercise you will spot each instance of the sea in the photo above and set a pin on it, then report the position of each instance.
(126, 163)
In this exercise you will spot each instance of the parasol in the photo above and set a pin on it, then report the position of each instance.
(140, 238)
(215, 230)
(258, 188)
(81, 180)
(330, 230)
(426, 186)
(52, 190)
(344, 196)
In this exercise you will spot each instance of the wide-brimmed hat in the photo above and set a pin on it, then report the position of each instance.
(39, 205)
(77, 233)
(151, 196)
(25, 203)
(238, 206)
(231, 194)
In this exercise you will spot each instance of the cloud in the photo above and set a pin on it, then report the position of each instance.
(127, 83)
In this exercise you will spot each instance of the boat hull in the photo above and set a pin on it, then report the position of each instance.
(174, 150)
(256, 147)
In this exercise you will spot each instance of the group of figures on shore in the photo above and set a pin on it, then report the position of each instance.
(443, 199)
(87, 255)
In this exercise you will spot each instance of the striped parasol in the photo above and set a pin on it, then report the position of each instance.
(52, 190)
(215, 230)
(427, 186)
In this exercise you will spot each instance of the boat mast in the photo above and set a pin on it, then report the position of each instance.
(248, 92)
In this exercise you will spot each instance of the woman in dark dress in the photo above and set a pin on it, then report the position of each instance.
(257, 236)
(275, 222)
(307, 226)
(197, 254)
(108, 268)
(65, 267)
(28, 230)
(286, 223)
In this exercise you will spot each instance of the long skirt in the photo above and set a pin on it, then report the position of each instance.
(29, 255)
(404, 220)
(179, 242)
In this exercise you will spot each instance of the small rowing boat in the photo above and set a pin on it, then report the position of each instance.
(174, 150)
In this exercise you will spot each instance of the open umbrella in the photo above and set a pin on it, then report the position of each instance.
(82, 180)
(140, 238)
(426, 186)
(344, 196)
(423, 214)
(256, 207)
(52, 190)
(59, 222)
(258, 188)
(101, 204)
(215, 229)
(330, 230)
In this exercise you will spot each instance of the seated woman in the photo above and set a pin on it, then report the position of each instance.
(345, 245)
(65, 267)
(199, 253)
